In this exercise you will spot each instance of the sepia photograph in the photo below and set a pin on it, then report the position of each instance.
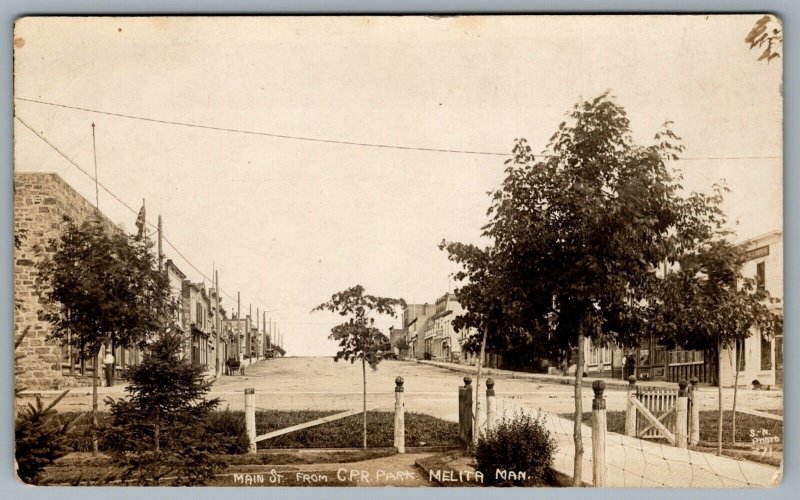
(413, 251)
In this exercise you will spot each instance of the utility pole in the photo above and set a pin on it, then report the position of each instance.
(238, 324)
(160, 245)
(218, 324)
(96, 182)
(258, 334)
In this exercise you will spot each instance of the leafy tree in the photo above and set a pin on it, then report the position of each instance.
(765, 35)
(162, 428)
(40, 438)
(706, 303)
(358, 337)
(579, 234)
(100, 287)
(402, 346)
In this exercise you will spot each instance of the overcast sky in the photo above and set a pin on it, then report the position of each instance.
(290, 222)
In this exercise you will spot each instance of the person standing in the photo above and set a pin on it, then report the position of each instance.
(108, 363)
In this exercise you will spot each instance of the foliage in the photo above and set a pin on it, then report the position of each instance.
(763, 35)
(402, 345)
(578, 236)
(358, 338)
(40, 438)
(421, 430)
(519, 444)
(101, 287)
(162, 430)
(229, 427)
(707, 304)
(18, 389)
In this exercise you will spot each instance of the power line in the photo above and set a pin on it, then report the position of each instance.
(266, 134)
(111, 193)
(334, 141)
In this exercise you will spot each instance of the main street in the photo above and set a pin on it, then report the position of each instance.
(320, 383)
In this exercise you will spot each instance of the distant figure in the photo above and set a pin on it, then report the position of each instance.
(629, 366)
(108, 367)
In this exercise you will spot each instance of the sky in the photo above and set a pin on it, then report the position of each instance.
(288, 222)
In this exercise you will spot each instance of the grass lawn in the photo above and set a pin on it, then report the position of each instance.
(708, 425)
(85, 470)
(421, 429)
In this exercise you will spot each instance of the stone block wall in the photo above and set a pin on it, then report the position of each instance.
(41, 200)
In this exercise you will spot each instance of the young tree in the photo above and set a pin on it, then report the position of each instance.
(706, 303)
(402, 346)
(40, 439)
(100, 287)
(161, 428)
(579, 233)
(358, 337)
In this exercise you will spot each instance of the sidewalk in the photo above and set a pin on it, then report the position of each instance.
(635, 462)
(541, 377)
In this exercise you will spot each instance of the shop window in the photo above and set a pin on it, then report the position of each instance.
(760, 276)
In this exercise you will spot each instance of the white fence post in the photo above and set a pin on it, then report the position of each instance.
(399, 417)
(630, 410)
(694, 413)
(681, 415)
(250, 417)
(599, 470)
(491, 407)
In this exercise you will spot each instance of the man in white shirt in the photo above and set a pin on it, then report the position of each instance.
(108, 366)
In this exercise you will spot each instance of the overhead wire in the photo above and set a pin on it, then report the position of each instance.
(118, 199)
(333, 141)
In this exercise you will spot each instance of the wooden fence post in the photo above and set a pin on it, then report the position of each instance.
(465, 413)
(599, 470)
(694, 413)
(490, 405)
(630, 409)
(250, 418)
(399, 417)
(681, 415)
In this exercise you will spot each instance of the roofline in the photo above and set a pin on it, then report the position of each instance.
(774, 232)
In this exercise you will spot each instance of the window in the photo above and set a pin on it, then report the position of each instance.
(766, 353)
(760, 276)
(199, 317)
(740, 355)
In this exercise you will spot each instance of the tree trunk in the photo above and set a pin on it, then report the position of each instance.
(94, 401)
(577, 435)
(475, 424)
(735, 390)
(719, 393)
(364, 376)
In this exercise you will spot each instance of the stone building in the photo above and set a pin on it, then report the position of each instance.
(41, 201)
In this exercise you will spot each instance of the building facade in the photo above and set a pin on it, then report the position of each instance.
(415, 323)
(41, 201)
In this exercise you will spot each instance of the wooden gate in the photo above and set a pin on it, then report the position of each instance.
(656, 415)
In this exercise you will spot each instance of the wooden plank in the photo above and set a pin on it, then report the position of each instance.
(656, 422)
(662, 417)
(757, 413)
(306, 425)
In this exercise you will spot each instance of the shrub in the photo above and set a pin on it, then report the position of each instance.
(427, 356)
(230, 428)
(40, 438)
(519, 444)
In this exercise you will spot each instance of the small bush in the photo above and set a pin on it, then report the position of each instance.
(427, 356)
(230, 428)
(516, 445)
